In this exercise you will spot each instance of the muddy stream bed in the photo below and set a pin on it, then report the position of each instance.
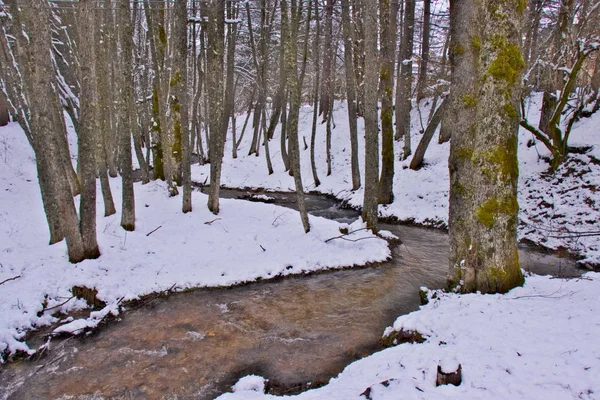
(297, 331)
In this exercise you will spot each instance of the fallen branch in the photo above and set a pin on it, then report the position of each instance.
(151, 232)
(349, 233)
(210, 222)
(10, 279)
(59, 305)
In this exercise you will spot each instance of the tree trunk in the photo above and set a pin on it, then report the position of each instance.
(326, 82)
(403, 90)
(422, 82)
(103, 131)
(214, 87)
(370, 200)
(386, 82)
(317, 78)
(350, 92)
(88, 117)
(417, 161)
(486, 67)
(180, 103)
(291, 54)
(126, 125)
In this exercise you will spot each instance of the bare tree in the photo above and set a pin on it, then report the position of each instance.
(370, 201)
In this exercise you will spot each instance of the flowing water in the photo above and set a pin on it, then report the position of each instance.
(298, 331)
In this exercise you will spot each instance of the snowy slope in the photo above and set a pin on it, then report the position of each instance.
(246, 241)
(422, 196)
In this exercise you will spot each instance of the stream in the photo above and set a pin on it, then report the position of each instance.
(297, 331)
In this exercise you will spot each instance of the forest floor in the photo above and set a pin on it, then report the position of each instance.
(537, 341)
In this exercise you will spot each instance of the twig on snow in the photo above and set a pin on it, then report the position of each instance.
(10, 279)
(343, 237)
(151, 232)
(210, 222)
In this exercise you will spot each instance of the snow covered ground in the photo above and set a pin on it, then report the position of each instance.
(246, 241)
(422, 196)
(539, 341)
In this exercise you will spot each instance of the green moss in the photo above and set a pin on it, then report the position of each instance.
(489, 211)
(476, 44)
(504, 157)
(175, 79)
(464, 153)
(162, 35)
(459, 189)
(511, 111)
(176, 149)
(459, 49)
(469, 100)
(155, 109)
(508, 63)
(521, 6)
(157, 159)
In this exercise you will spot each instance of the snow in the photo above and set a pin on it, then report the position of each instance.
(245, 242)
(538, 341)
(422, 196)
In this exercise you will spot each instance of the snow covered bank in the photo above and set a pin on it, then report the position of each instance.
(537, 341)
(245, 242)
(422, 196)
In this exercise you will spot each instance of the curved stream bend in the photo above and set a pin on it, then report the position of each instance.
(298, 332)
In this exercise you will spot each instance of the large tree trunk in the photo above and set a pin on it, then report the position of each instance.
(403, 89)
(88, 125)
(180, 102)
(214, 87)
(486, 67)
(370, 200)
(386, 82)
(350, 92)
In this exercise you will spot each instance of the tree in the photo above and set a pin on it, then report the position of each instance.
(486, 68)
(371, 195)
(386, 81)
(214, 87)
(422, 82)
(126, 125)
(293, 83)
(180, 101)
(89, 125)
(350, 91)
(403, 85)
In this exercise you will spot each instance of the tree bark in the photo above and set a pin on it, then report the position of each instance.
(88, 118)
(486, 67)
(386, 82)
(422, 82)
(291, 57)
(403, 89)
(317, 84)
(126, 125)
(214, 87)
(370, 200)
(350, 92)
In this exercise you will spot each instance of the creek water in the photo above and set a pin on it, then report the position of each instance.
(298, 331)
